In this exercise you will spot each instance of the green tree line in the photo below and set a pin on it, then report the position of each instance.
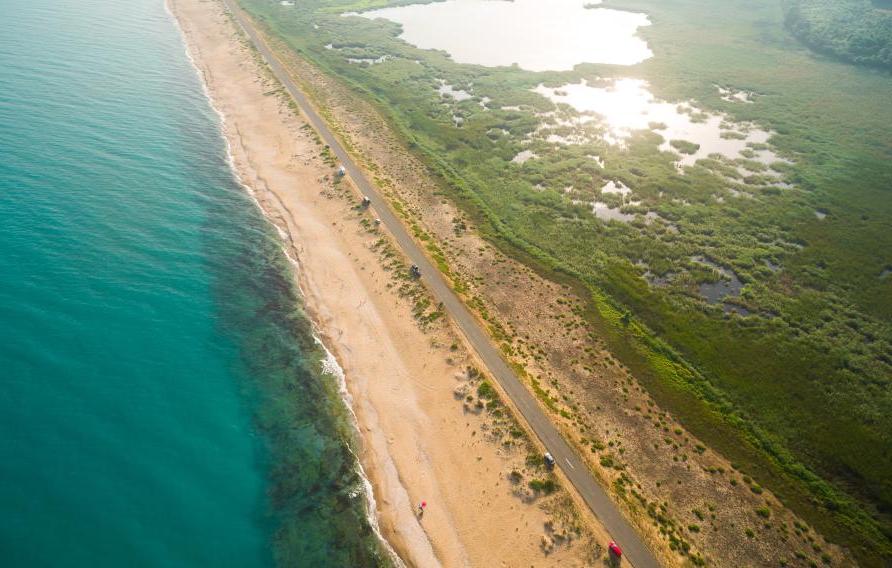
(856, 31)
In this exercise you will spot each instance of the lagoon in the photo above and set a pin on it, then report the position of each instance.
(555, 35)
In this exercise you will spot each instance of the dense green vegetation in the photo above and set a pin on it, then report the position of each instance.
(853, 30)
(798, 390)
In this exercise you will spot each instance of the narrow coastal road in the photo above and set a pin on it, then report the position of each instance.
(636, 552)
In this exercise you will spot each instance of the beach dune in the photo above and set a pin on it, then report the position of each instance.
(418, 441)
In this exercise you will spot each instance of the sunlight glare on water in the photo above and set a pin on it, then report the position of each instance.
(626, 105)
(538, 36)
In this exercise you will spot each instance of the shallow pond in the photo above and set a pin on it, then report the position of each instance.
(368, 60)
(448, 91)
(606, 213)
(735, 96)
(625, 106)
(617, 187)
(523, 156)
(553, 35)
(728, 285)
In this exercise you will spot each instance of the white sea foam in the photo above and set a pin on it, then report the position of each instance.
(330, 364)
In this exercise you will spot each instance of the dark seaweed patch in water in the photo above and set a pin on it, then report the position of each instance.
(316, 495)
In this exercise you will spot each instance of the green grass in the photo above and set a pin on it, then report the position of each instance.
(486, 391)
(798, 393)
(684, 146)
(546, 486)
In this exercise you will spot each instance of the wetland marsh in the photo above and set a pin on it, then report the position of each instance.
(746, 241)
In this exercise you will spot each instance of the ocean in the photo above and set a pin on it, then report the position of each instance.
(163, 400)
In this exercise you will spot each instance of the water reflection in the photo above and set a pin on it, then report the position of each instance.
(448, 91)
(537, 35)
(522, 157)
(618, 187)
(625, 106)
(728, 285)
(735, 96)
(368, 60)
(606, 213)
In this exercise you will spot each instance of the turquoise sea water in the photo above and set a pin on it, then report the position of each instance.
(161, 400)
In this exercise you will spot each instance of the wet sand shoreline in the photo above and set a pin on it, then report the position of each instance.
(418, 443)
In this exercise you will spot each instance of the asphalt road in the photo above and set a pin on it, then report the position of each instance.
(634, 550)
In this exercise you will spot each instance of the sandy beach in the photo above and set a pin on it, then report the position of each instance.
(419, 441)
